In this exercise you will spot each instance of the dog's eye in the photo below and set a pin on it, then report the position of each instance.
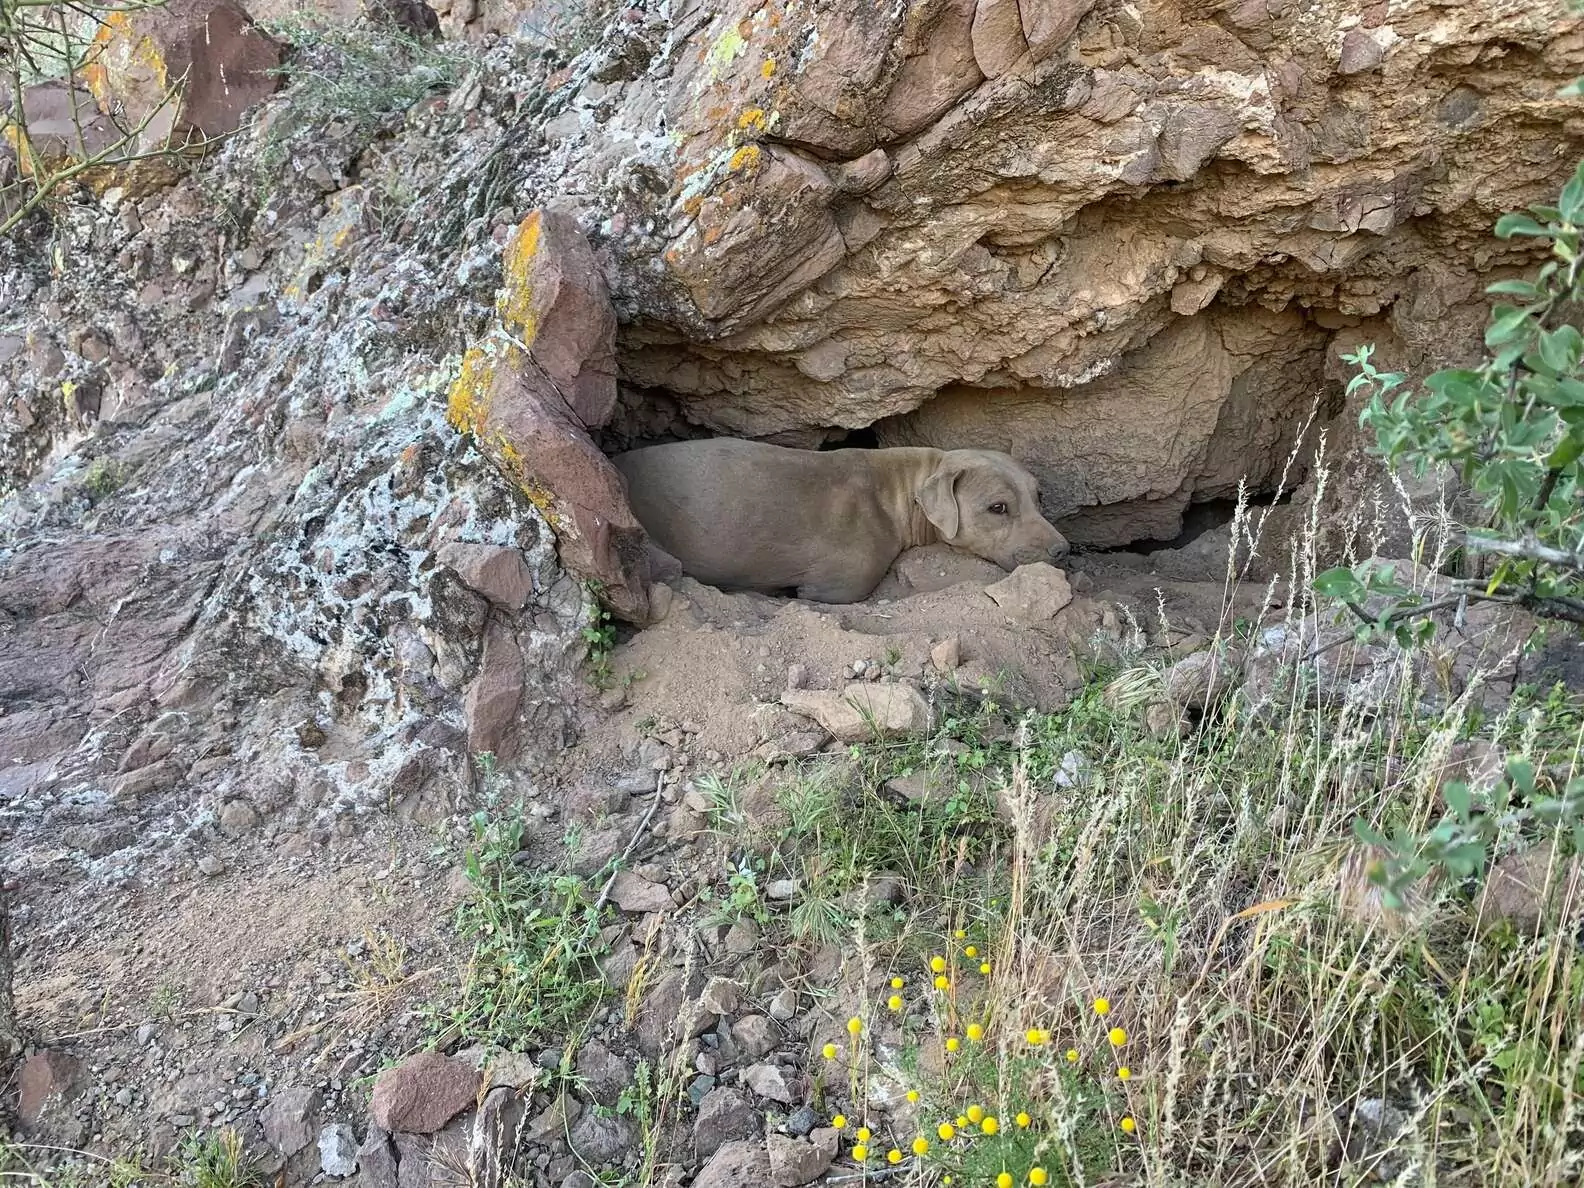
(997, 509)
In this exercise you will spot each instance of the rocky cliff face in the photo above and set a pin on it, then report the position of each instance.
(1124, 238)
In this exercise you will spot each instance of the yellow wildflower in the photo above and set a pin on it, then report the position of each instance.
(938, 964)
(1023, 1120)
(894, 1002)
(921, 1145)
(1124, 1073)
(1004, 1180)
(942, 982)
(896, 983)
(984, 968)
(1128, 1125)
(1037, 1175)
(953, 1043)
(946, 1130)
(828, 1051)
(1118, 1037)
(839, 1121)
(860, 1152)
(975, 1113)
(893, 1156)
(975, 1032)
(1102, 1006)
(854, 1025)
(1035, 1036)
(1072, 1055)
(971, 951)
(913, 1095)
(863, 1134)
(990, 1125)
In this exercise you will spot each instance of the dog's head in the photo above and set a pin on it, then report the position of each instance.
(985, 503)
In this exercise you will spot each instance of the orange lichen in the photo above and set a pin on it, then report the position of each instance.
(516, 302)
(768, 68)
(712, 235)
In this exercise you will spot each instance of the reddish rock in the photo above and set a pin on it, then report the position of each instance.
(1360, 52)
(225, 61)
(423, 1093)
(495, 695)
(63, 123)
(48, 1078)
(735, 1165)
(288, 1118)
(531, 391)
(498, 573)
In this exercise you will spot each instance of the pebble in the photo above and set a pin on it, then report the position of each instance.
(784, 1004)
(123, 1096)
(800, 1122)
(145, 1034)
(338, 1150)
(210, 865)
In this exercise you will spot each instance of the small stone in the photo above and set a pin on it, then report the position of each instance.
(738, 1164)
(756, 1035)
(603, 1074)
(287, 1119)
(721, 996)
(797, 676)
(598, 1137)
(795, 1161)
(123, 1097)
(700, 1088)
(633, 893)
(1033, 593)
(742, 938)
(376, 1159)
(237, 817)
(338, 1150)
(1200, 681)
(145, 1034)
(1162, 718)
(782, 889)
(801, 1121)
(552, 1122)
(48, 1078)
(1525, 887)
(947, 654)
(783, 1004)
(767, 1080)
(211, 865)
(724, 1114)
(423, 1093)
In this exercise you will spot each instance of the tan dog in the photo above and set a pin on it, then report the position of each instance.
(745, 515)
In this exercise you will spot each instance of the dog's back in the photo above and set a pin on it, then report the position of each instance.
(743, 514)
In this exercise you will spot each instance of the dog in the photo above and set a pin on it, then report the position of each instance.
(745, 515)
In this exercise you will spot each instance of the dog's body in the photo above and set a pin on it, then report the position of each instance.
(746, 515)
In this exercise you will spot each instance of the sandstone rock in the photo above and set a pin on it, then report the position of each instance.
(1047, 24)
(771, 1081)
(734, 1165)
(863, 711)
(724, 1114)
(1360, 51)
(1525, 888)
(499, 574)
(48, 1080)
(938, 72)
(1033, 593)
(721, 996)
(634, 893)
(237, 817)
(795, 1161)
(226, 66)
(287, 1119)
(423, 1093)
(998, 40)
(531, 414)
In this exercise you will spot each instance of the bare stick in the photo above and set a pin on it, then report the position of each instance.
(643, 827)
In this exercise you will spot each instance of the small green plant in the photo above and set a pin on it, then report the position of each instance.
(534, 934)
(102, 479)
(214, 1160)
(600, 636)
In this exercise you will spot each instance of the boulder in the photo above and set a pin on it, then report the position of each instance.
(287, 1119)
(736, 1164)
(531, 390)
(1526, 888)
(49, 1079)
(220, 63)
(725, 1114)
(795, 1161)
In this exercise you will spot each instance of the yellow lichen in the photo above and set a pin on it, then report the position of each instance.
(744, 158)
(515, 304)
(768, 68)
(752, 120)
(467, 403)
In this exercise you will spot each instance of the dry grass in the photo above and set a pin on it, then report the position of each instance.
(1281, 1027)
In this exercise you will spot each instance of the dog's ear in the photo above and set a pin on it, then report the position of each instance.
(938, 497)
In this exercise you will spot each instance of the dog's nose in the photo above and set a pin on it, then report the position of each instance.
(1060, 549)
